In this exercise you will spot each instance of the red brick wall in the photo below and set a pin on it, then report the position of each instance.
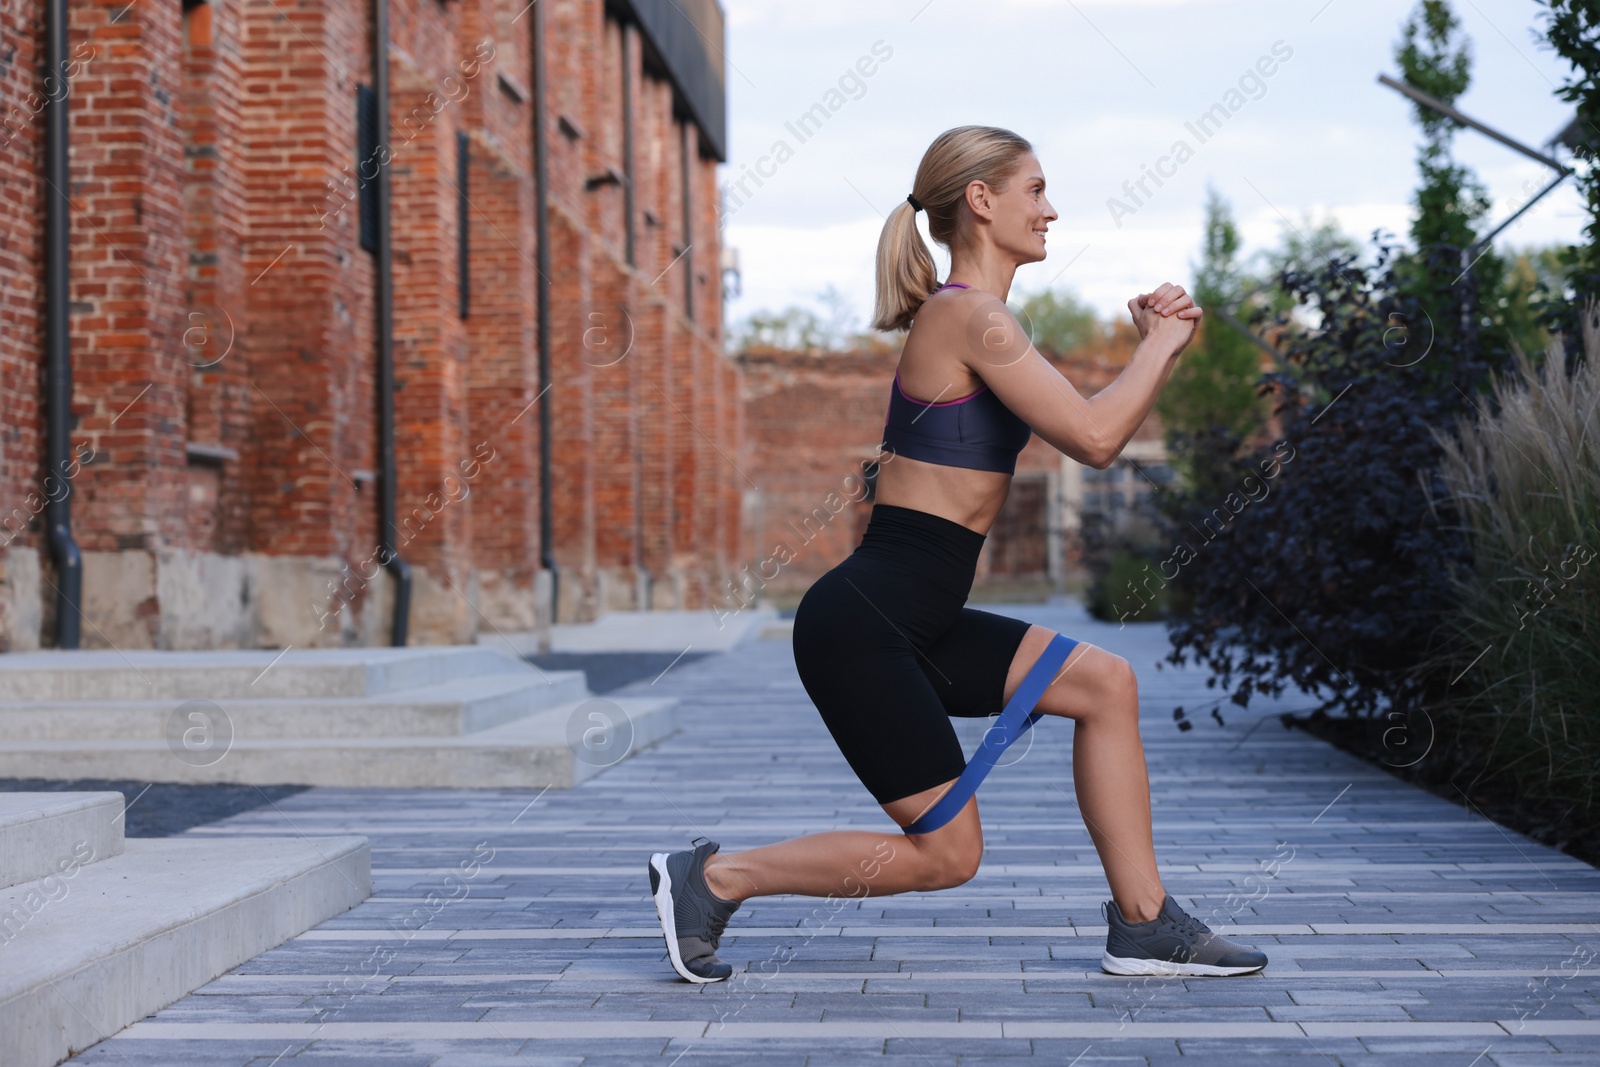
(308, 327)
(24, 103)
(129, 261)
(812, 418)
(221, 299)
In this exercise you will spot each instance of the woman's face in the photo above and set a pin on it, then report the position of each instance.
(1021, 213)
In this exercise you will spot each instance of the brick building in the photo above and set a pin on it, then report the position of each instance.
(815, 419)
(254, 236)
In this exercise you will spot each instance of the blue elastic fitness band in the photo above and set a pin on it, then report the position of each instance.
(1012, 724)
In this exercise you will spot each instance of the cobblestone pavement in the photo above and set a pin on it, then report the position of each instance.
(515, 927)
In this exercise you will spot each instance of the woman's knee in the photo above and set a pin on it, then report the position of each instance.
(1117, 686)
(1122, 682)
(952, 861)
(1096, 685)
(963, 865)
(948, 856)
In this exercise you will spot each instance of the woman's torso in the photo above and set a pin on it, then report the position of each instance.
(930, 372)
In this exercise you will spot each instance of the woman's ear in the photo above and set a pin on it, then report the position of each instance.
(980, 198)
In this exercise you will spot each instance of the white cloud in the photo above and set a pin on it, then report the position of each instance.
(1103, 87)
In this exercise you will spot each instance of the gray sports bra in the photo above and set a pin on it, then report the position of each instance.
(976, 431)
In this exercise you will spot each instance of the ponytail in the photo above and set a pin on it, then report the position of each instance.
(906, 275)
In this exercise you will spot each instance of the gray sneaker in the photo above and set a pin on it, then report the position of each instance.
(1174, 942)
(692, 917)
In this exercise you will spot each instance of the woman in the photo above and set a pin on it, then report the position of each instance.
(884, 643)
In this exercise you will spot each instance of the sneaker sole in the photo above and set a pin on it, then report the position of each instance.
(1124, 966)
(661, 884)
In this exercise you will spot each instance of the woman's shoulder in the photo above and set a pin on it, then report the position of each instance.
(940, 340)
(959, 310)
(948, 305)
(971, 326)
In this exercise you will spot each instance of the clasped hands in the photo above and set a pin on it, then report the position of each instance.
(1169, 312)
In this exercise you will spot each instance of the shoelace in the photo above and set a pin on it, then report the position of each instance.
(716, 924)
(1188, 925)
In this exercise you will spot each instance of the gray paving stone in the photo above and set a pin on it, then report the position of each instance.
(489, 1059)
(1368, 850)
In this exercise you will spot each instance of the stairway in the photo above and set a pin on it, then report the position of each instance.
(447, 716)
(97, 932)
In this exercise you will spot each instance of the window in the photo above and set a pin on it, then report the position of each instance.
(367, 164)
(463, 161)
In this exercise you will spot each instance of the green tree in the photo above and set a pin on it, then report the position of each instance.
(1435, 58)
(1303, 249)
(1573, 32)
(1212, 390)
(1058, 322)
(1530, 272)
(794, 328)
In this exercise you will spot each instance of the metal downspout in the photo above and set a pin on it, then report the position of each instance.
(629, 206)
(541, 196)
(58, 368)
(385, 308)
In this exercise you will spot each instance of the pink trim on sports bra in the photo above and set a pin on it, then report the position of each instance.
(940, 404)
(943, 403)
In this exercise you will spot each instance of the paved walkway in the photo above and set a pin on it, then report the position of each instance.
(1401, 928)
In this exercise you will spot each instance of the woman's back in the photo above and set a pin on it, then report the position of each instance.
(954, 442)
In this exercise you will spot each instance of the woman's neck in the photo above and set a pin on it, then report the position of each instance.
(989, 272)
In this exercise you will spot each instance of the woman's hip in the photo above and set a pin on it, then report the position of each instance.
(864, 605)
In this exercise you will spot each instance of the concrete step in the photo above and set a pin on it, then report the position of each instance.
(452, 708)
(45, 834)
(558, 747)
(127, 936)
(242, 674)
(709, 630)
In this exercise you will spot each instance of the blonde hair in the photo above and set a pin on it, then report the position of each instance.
(955, 159)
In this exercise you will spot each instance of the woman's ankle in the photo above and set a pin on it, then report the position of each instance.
(721, 880)
(1141, 909)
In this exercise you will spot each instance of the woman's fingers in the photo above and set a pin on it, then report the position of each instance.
(1175, 297)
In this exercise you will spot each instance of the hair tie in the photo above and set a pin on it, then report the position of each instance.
(915, 207)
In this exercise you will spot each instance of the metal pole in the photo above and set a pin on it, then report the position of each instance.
(1445, 109)
(58, 369)
(385, 302)
(541, 209)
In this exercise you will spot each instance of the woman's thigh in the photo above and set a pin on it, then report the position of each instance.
(977, 665)
(865, 676)
(968, 665)
(1091, 682)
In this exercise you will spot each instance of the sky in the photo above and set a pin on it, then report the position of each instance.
(1104, 89)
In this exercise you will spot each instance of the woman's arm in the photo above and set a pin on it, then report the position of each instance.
(1092, 430)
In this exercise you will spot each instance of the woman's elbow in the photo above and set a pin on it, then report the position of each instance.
(1100, 454)
(1089, 456)
(1092, 451)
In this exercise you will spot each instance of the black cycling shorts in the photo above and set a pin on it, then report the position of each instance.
(888, 650)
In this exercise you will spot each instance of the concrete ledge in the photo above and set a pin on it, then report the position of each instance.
(558, 747)
(240, 674)
(132, 934)
(710, 630)
(44, 834)
(446, 709)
